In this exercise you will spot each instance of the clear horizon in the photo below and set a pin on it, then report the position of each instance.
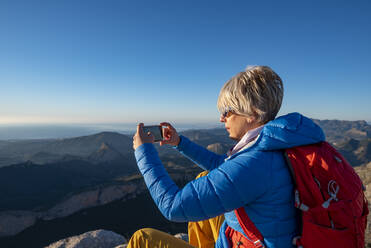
(77, 62)
(126, 125)
(57, 131)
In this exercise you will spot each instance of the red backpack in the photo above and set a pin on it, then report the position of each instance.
(330, 196)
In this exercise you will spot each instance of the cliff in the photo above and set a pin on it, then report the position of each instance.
(13, 222)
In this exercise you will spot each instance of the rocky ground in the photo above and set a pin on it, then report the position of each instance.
(14, 222)
(93, 239)
(99, 239)
(365, 173)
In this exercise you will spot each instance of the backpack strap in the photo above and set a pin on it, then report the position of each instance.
(292, 172)
(289, 164)
(249, 228)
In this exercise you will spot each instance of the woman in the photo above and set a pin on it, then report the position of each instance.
(252, 176)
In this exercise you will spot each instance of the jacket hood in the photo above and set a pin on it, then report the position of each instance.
(289, 131)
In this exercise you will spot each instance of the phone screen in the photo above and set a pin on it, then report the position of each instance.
(156, 131)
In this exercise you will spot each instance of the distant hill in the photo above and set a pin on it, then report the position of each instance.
(357, 152)
(86, 147)
(37, 174)
(28, 186)
(338, 131)
(205, 137)
(52, 169)
(351, 138)
(44, 171)
(54, 150)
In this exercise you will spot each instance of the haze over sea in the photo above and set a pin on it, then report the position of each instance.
(20, 132)
(17, 132)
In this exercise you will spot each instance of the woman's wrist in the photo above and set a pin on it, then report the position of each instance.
(178, 141)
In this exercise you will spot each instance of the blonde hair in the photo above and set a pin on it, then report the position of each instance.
(255, 92)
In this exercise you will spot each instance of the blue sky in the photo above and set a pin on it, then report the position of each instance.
(114, 61)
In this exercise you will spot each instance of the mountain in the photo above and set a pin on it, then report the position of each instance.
(48, 151)
(218, 148)
(87, 147)
(51, 169)
(106, 153)
(123, 206)
(121, 216)
(338, 131)
(205, 137)
(28, 186)
(49, 181)
(357, 152)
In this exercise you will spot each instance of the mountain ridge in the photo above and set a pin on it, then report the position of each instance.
(47, 151)
(110, 159)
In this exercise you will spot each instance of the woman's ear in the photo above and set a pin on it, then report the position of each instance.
(252, 122)
(250, 119)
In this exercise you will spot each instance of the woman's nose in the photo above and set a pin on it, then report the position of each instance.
(221, 119)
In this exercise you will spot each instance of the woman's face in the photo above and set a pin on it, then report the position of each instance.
(237, 125)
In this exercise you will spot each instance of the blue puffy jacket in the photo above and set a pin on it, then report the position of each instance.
(256, 178)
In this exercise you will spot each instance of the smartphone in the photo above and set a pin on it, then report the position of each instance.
(156, 131)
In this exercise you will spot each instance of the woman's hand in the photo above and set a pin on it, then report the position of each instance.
(171, 136)
(140, 137)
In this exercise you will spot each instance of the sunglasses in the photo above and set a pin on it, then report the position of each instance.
(226, 112)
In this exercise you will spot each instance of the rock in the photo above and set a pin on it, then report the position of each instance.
(93, 239)
(182, 236)
(13, 222)
(364, 173)
(218, 148)
(73, 204)
(90, 199)
(122, 246)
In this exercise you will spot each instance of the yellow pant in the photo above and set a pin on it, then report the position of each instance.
(201, 234)
(152, 238)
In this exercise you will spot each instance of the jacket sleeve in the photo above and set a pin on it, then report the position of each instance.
(229, 186)
(204, 158)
